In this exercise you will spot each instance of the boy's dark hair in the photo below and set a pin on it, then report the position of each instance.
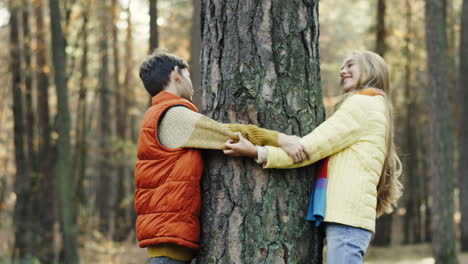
(155, 71)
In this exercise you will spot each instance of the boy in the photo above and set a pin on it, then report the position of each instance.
(169, 166)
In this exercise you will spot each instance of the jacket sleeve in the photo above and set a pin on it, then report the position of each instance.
(182, 127)
(341, 130)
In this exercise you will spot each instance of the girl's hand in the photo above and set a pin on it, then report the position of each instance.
(242, 148)
(293, 147)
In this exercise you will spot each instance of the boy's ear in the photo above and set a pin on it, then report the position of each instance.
(175, 74)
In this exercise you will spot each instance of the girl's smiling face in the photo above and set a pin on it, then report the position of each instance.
(350, 74)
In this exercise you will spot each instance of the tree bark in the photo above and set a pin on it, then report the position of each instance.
(129, 101)
(463, 146)
(384, 223)
(103, 197)
(443, 240)
(195, 48)
(121, 221)
(81, 143)
(46, 186)
(22, 251)
(380, 46)
(412, 220)
(63, 163)
(154, 37)
(27, 73)
(260, 65)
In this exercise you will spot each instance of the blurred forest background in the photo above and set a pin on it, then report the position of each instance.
(88, 203)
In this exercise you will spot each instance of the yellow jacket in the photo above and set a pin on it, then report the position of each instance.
(354, 138)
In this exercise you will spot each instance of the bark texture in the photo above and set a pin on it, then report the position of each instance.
(443, 234)
(260, 65)
(63, 163)
(463, 147)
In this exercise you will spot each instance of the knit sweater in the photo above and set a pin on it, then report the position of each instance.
(354, 138)
(182, 127)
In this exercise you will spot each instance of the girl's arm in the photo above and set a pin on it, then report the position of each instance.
(344, 128)
(341, 130)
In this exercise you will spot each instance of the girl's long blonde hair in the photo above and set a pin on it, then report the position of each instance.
(374, 74)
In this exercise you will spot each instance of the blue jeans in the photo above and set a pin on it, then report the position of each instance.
(346, 244)
(166, 260)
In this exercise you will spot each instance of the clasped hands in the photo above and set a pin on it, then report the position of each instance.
(290, 144)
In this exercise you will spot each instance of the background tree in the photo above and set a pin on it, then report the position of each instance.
(22, 250)
(63, 164)
(384, 223)
(442, 172)
(104, 195)
(463, 126)
(45, 186)
(260, 65)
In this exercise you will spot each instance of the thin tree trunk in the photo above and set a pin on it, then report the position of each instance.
(195, 48)
(129, 102)
(380, 46)
(81, 143)
(63, 163)
(412, 218)
(121, 221)
(154, 36)
(103, 197)
(384, 223)
(22, 247)
(443, 240)
(260, 65)
(27, 73)
(46, 187)
(463, 146)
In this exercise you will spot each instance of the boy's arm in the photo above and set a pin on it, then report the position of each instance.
(182, 127)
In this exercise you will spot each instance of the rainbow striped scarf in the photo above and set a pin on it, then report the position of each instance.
(318, 196)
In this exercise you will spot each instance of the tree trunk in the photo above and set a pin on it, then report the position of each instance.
(384, 223)
(121, 221)
(412, 220)
(195, 48)
(27, 73)
(103, 197)
(63, 163)
(443, 240)
(81, 143)
(380, 46)
(22, 248)
(463, 146)
(46, 186)
(129, 102)
(154, 37)
(260, 65)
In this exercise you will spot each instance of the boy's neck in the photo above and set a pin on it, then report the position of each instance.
(172, 89)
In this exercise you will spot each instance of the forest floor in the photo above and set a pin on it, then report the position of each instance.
(97, 250)
(129, 253)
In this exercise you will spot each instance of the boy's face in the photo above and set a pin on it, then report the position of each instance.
(184, 85)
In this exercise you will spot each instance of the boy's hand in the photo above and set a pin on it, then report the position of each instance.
(242, 148)
(293, 147)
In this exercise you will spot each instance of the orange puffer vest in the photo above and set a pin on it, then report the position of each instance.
(167, 199)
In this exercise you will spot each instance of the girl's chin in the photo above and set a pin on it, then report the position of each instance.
(347, 89)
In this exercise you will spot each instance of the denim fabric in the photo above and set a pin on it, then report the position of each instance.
(166, 260)
(346, 244)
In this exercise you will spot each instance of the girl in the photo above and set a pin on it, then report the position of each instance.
(363, 166)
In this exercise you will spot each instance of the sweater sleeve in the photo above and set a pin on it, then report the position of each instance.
(340, 131)
(182, 127)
